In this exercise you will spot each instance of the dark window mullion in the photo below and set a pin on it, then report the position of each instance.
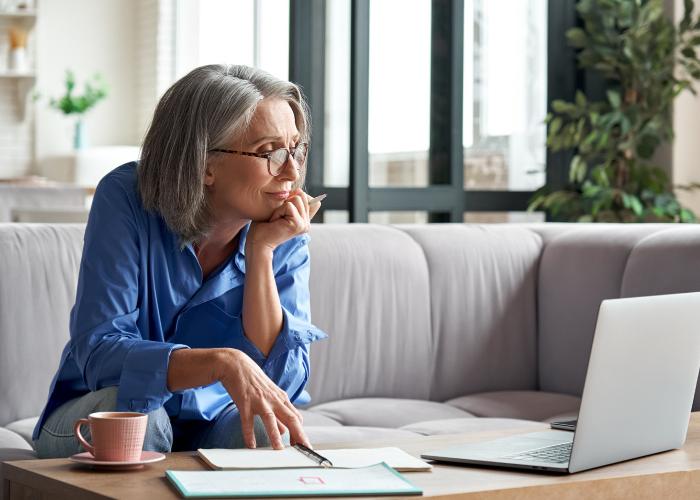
(307, 51)
(359, 112)
(446, 162)
(563, 78)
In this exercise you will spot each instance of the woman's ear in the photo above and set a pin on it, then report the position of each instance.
(209, 173)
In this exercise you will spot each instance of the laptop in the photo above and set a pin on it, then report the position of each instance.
(636, 400)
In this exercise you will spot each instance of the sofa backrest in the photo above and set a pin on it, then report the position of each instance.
(483, 290)
(38, 277)
(370, 292)
(582, 265)
(424, 311)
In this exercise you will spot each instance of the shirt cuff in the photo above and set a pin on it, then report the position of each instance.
(143, 385)
(294, 333)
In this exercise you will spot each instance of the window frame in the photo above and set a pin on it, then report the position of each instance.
(444, 198)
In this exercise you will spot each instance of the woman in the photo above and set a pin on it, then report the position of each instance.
(193, 303)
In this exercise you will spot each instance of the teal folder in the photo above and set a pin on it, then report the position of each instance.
(375, 480)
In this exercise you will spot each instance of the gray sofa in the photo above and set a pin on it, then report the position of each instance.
(433, 328)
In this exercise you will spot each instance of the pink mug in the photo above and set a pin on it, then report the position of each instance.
(116, 436)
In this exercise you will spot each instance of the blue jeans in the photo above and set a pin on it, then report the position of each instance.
(163, 434)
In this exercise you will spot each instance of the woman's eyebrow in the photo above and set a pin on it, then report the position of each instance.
(272, 138)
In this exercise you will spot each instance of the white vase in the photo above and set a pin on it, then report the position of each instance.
(18, 59)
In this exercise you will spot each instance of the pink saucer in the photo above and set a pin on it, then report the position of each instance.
(147, 457)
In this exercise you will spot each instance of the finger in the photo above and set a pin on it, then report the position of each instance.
(313, 210)
(273, 432)
(247, 427)
(305, 198)
(281, 428)
(278, 213)
(297, 435)
(296, 430)
(295, 219)
(296, 411)
(300, 205)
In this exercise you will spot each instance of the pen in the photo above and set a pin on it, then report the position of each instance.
(316, 457)
(318, 199)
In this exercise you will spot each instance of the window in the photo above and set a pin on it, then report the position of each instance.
(399, 92)
(251, 32)
(505, 94)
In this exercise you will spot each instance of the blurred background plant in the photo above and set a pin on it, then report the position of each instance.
(646, 62)
(71, 103)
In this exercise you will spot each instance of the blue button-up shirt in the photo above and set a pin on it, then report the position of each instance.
(141, 295)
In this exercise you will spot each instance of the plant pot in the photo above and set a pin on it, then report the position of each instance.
(79, 138)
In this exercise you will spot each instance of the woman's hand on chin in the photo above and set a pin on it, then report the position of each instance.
(291, 219)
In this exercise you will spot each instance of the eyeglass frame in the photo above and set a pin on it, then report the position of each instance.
(268, 154)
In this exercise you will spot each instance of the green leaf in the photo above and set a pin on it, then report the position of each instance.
(563, 107)
(555, 126)
(614, 98)
(688, 52)
(647, 146)
(577, 170)
(577, 38)
(687, 15)
(636, 205)
(580, 99)
(687, 216)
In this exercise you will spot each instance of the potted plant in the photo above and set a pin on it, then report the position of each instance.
(79, 104)
(646, 61)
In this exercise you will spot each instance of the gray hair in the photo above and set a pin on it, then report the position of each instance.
(201, 111)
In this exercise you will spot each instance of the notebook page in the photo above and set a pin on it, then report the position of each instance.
(364, 457)
(219, 458)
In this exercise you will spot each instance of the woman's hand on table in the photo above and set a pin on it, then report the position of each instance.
(255, 394)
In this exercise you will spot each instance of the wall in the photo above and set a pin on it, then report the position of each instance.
(87, 36)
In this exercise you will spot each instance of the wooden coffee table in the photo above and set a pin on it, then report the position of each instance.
(674, 474)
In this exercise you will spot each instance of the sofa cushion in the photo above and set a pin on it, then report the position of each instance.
(386, 412)
(9, 454)
(578, 270)
(39, 269)
(370, 291)
(9, 439)
(483, 293)
(527, 405)
(24, 428)
(315, 419)
(472, 424)
(351, 434)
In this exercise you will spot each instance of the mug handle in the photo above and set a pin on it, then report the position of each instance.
(76, 431)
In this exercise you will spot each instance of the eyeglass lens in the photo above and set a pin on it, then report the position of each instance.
(278, 158)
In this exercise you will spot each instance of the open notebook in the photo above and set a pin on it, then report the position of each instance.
(240, 459)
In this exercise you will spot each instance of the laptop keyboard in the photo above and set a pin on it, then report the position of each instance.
(557, 453)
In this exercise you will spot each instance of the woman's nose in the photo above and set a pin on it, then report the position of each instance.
(290, 169)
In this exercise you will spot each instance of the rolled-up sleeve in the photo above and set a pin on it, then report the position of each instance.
(287, 363)
(106, 342)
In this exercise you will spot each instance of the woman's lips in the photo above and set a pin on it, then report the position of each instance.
(280, 195)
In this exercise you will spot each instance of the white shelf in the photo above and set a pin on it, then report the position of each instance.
(22, 81)
(16, 74)
(18, 14)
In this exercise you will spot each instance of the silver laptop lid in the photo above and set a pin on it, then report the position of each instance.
(641, 379)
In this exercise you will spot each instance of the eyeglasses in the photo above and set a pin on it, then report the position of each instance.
(277, 159)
